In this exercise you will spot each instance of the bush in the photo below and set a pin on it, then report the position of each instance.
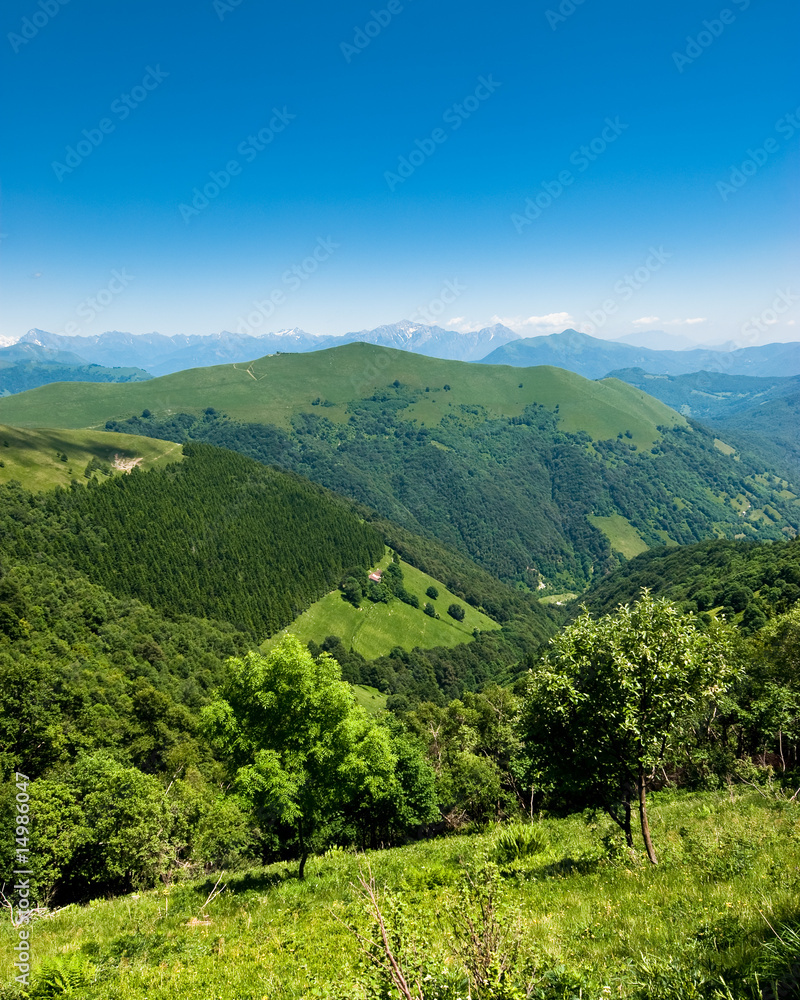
(430, 610)
(520, 840)
(432, 592)
(457, 612)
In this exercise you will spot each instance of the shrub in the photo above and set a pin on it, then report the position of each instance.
(457, 612)
(432, 592)
(520, 840)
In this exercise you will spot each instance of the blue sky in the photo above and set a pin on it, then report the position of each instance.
(441, 145)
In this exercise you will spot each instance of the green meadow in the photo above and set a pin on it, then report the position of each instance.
(43, 458)
(273, 389)
(582, 918)
(376, 629)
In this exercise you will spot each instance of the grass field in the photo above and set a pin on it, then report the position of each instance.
(274, 388)
(33, 457)
(375, 629)
(602, 923)
(621, 534)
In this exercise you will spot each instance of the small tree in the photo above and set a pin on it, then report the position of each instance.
(432, 592)
(457, 612)
(299, 746)
(430, 610)
(604, 711)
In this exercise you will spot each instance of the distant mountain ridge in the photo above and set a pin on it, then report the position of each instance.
(27, 365)
(162, 355)
(595, 358)
(495, 345)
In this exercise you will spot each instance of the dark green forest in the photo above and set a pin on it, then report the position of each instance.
(514, 493)
(217, 535)
(747, 582)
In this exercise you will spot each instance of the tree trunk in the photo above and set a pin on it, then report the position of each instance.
(627, 827)
(648, 843)
(301, 874)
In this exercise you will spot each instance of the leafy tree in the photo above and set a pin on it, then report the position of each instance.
(430, 610)
(432, 592)
(351, 591)
(604, 710)
(457, 612)
(298, 745)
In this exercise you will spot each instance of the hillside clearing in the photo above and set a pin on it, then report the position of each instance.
(35, 457)
(376, 629)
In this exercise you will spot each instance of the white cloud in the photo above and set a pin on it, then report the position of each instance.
(646, 321)
(551, 323)
(686, 322)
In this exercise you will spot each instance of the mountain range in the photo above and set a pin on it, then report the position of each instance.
(595, 358)
(161, 355)
(495, 345)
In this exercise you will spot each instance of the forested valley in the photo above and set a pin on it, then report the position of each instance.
(500, 489)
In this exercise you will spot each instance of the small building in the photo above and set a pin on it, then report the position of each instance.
(376, 576)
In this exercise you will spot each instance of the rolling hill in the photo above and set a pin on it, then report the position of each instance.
(41, 459)
(542, 477)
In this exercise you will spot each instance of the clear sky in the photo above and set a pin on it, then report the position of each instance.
(607, 165)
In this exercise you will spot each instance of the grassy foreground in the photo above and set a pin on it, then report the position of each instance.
(590, 920)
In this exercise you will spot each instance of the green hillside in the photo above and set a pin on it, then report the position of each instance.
(572, 920)
(35, 458)
(274, 389)
(217, 535)
(529, 472)
(749, 582)
(375, 629)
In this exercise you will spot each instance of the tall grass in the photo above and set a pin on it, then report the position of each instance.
(585, 916)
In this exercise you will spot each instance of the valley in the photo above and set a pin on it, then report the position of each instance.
(265, 632)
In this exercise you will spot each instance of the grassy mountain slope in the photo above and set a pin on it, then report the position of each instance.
(274, 389)
(35, 457)
(376, 629)
(506, 466)
(586, 923)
